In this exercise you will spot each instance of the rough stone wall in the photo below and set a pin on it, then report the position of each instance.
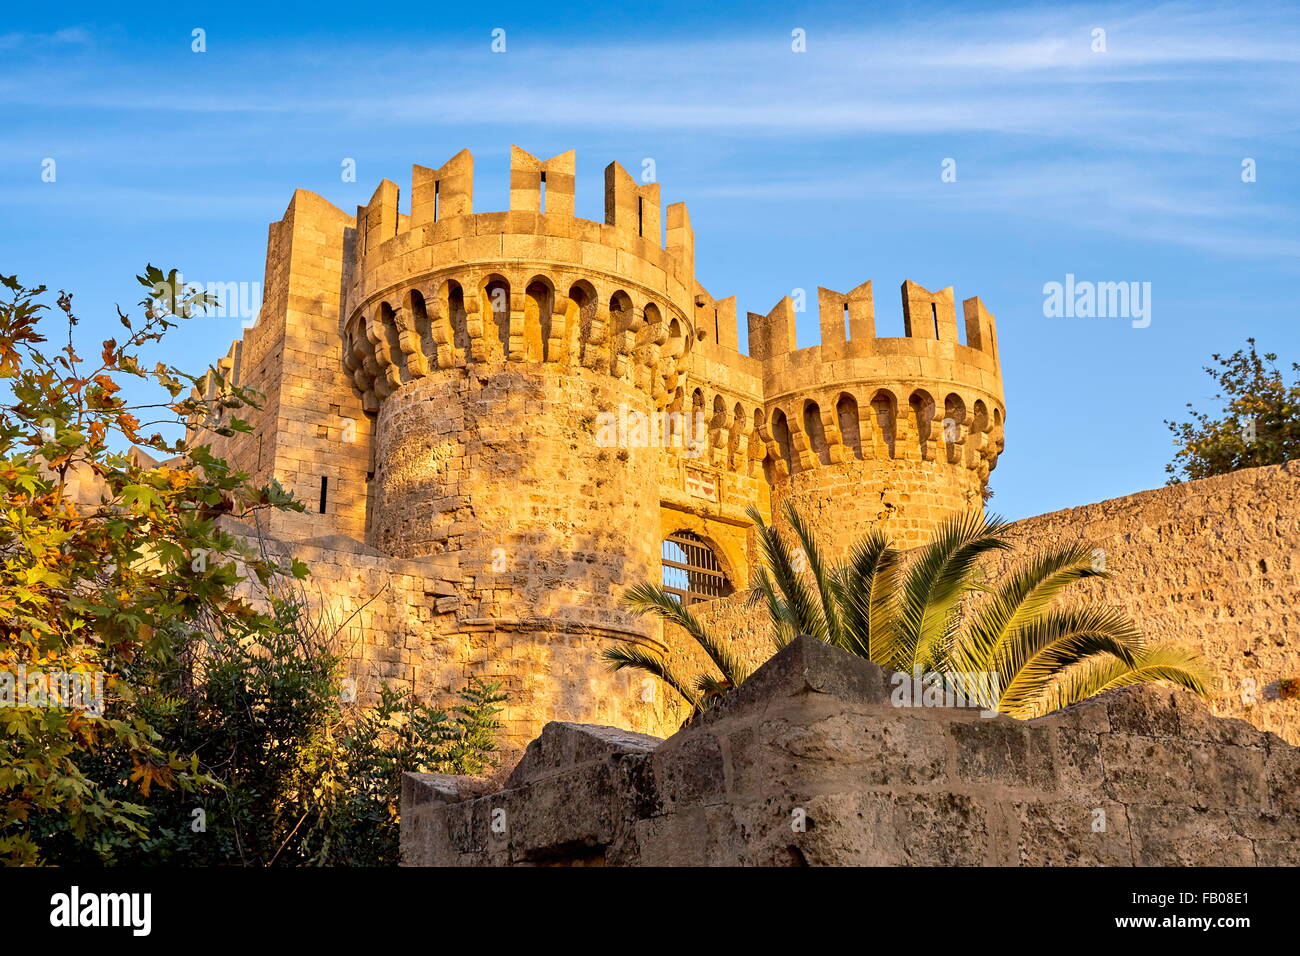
(404, 622)
(905, 498)
(434, 384)
(811, 763)
(309, 424)
(322, 432)
(496, 465)
(1210, 565)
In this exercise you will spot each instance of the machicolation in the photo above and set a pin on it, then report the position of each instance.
(469, 401)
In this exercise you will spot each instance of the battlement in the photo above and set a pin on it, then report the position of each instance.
(925, 396)
(443, 231)
(848, 324)
(629, 252)
(445, 287)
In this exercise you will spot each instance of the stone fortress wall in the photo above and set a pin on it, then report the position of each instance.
(817, 760)
(439, 388)
(1209, 565)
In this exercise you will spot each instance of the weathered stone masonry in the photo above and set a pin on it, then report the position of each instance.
(1208, 565)
(437, 382)
(811, 763)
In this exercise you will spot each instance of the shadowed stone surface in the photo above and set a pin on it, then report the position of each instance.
(809, 763)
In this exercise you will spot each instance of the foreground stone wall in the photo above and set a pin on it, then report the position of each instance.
(1210, 565)
(811, 763)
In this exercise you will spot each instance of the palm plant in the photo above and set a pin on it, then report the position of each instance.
(705, 688)
(933, 612)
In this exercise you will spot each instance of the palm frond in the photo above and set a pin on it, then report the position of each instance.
(822, 575)
(637, 657)
(1033, 655)
(935, 582)
(1160, 662)
(764, 592)
(802, 608)
(866, 589)
(1027, 592)
(932, 609)
(647, 598)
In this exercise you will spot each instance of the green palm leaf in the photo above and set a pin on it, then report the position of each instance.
(649, 598)
(1160, 662)
(783, 629)
(823, 578)
(937, 580)
(637, 657)
(866, 590)
(932, 611)
(1033, 655)
(802, 609)
(1025, 594)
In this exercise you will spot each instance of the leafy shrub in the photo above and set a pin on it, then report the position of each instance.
(291, 772)
(223, 737)
(1259, 423)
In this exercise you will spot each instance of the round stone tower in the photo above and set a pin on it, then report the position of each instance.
(494, 352)
(899, 433)
(502, 421)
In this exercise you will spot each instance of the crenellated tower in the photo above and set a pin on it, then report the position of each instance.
(897, 431)
(515, 416)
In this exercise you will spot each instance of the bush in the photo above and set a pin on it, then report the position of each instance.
(291, 772)
(223, 738)
(100, 558)
(1258, 422)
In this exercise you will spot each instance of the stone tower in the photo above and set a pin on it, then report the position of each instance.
(897, 431)
(502, 420)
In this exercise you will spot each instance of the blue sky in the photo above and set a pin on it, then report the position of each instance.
(800, 169)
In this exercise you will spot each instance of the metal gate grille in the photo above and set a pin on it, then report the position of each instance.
(691, 570)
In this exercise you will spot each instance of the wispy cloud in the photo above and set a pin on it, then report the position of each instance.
(954, 73)
(34, 42)
(1179, 94)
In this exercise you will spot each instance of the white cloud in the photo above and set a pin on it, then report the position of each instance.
(1181, 94)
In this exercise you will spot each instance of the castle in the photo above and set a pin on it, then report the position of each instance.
(500, 421)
